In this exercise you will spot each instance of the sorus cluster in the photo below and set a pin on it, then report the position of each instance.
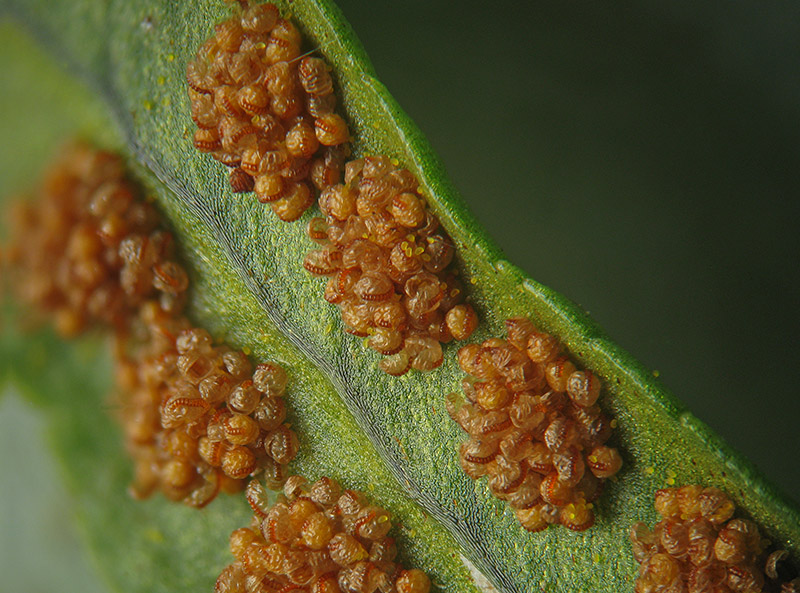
(698, 547)
(267, 112)
(535, 428)
(316, 539)
(86, 250)
(389, 266)
(197, 417)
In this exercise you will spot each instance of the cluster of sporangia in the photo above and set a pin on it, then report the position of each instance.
(197, 418)
(266, 112)
(535, 428)
(316, 539)
(698, 547)
(87, 250)
(389, 266)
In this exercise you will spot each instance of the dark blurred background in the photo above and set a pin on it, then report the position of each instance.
(642, 159)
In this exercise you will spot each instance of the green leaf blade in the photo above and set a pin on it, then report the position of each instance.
(249, 283)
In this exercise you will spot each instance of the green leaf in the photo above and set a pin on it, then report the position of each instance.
(389, 437)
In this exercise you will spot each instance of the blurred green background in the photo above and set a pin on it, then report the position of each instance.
(641, 158)
(41, 549)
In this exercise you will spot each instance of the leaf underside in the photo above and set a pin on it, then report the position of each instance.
(390, 437)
